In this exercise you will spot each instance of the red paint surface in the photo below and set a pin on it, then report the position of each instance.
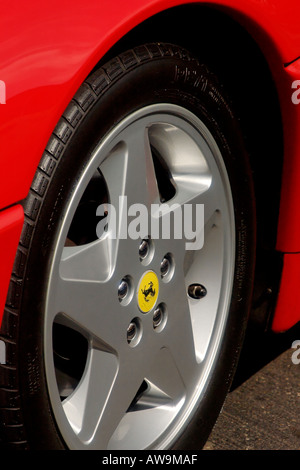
(288, 238)
(287, 312)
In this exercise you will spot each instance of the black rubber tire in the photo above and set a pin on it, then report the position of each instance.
(160, 73)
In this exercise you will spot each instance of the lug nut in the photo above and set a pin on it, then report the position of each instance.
(131, 332)
(197, 291)
(134, 332)
(144, 249)
(123, 289)
(157, 317)
(164, 267)
(160, 316)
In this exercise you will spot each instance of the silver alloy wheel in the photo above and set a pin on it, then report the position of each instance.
(142, 383)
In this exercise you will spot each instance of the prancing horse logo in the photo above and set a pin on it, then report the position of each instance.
(149, 291)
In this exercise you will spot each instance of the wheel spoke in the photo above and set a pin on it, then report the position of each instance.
(92, 308)
(207, 267)
(211, 200)
(90, 262)
(107, 397)
(165, 381)
(141, 185)
(129, 169)
(83, 407)
(176, 222)
(180, 339)
(130, 176)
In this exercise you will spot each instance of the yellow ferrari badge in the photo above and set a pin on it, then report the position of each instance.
(148, 291)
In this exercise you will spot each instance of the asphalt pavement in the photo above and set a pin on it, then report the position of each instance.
(262, 411)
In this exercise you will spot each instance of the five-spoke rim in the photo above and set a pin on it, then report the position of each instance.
(141, 374)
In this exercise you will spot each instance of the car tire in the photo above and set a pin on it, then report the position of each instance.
(90, 369)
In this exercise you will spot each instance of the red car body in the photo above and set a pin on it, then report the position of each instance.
(48, 49)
